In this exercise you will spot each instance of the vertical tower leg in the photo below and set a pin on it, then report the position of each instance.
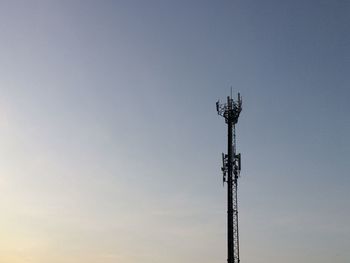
(230, 240)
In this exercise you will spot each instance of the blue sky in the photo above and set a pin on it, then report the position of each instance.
(111, 146)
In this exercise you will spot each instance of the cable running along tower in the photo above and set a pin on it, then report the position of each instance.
(231, 167)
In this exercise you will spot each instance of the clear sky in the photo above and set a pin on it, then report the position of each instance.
(110, 146)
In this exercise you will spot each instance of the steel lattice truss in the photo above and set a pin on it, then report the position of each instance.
(235, 224)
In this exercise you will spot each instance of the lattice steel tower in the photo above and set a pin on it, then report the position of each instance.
(231, 167)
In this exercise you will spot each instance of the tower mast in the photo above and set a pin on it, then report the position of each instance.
(231, 169)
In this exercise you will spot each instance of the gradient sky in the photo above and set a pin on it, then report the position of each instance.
(110, 146)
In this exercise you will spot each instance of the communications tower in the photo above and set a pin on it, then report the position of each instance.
(231, 167)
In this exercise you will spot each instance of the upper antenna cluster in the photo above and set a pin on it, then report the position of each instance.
(230, 110)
